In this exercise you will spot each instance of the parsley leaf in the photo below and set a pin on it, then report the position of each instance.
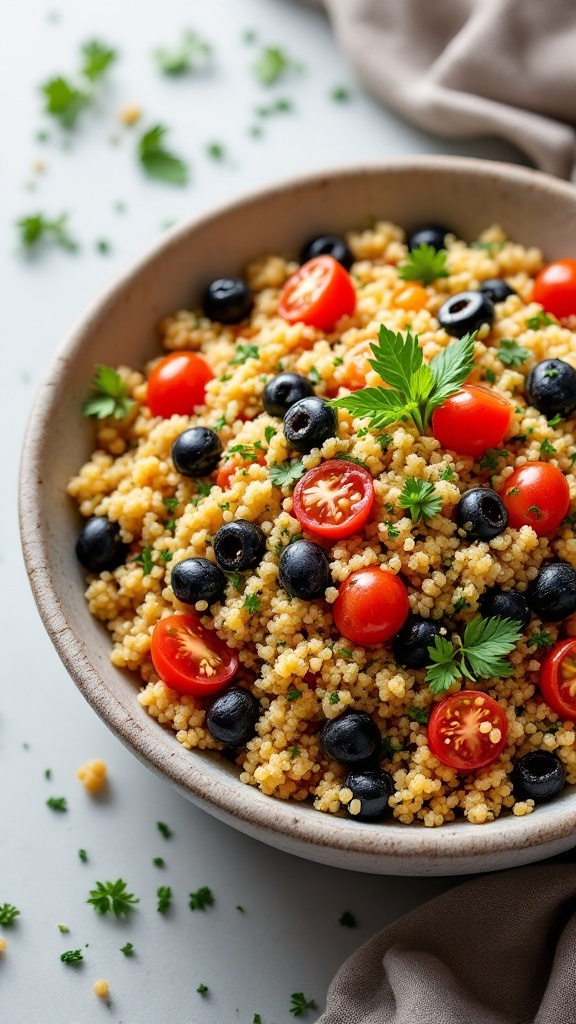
(539, 320)
(8, 915)
(285, 474)
(111, 396)
(299, 1004)
(64, 99)
(293, 694)
(252, 603)
(272, 64)
(201, 899)
(424, 264)
(159, 862)
(170, 503)
(448, 474)
(244, 352)
(57, 803)
(191, 54)
(490, 458)
(157, 161)
(269, 433)
(415, 388)
(111, 897)
(145, 560)
(481, 655)
(164, 894)
(546, 448)
(420, 498)
(541, 639)
(164, 830)
(511, 353)
(72, 956)
(128, 949)
(36, 228)
(97, 58)
(419, 715)
(83, 856)
(202, 988)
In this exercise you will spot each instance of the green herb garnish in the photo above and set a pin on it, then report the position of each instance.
(541, 639)
(348, 920)
(191, 54)
(8, 914)
(420, 498)
(111, 396)
(252, 603)
(157, 161)
(63, 928)
(293, 694)
(539, 320)
(424, 264)
(511, 353)
(420, 715)
(293, 751)
(269, 433)
(202, 988)
(145, 560)
(546, 448)
(490, 458)
(334, 698)
(299, 1004)
(201, 899)
(164, 894)
(170, 503)
(164, 830)
(480, 655)
(83, 856)
(72, 956)
(36, 229)
(415, 389)
(448, 474)
(65, 99)
(128, 949)
(285, 474)
(340, 94)
(112, 898)
(244, 352)
(216, 151)
(272, 64)
(57, 803)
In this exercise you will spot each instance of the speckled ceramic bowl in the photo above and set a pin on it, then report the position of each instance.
(121, 327)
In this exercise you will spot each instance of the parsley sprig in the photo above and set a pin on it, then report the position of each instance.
(421, 498)
(191, 54)
(157, 161)
(112, 898)
(8, 914)
(511, 353)
(424, 264)
(201, 899)
(65, 99)
(285, 474)
(110, 397)
(299, 1004)
(415, 388)
(35, 229)
(481, 654)
(272, 64)
(72, 956)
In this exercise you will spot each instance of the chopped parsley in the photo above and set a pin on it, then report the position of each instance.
(36, 229)
(460, 603)
(391, 529)
(159, 862)
(490, 376)
(202, 988)
(419, 715)
(66, 99)
(83, 856)
(164, 895)
(272, 64)
(157, 161)
(546, 448)
(191, 54)
(269, 433)
(535, 512)
(252, 603)
(201, 899)
(541, 639)
(553, 422)
(241, 909)
(110, 396)
(170, 503)
(293, 751)
(128, 949)
(391, 746)
(285, 474)
(164, 830)
(280, 106)
(511, 353)
(299, 1004)
(293, 694)
(489, 247)
(236, 581)
(216, 151)
(480, 655)
(8, 914)
(424, 264)
(57, 803)
(112, 898)
(257, 1019)
(63, 928)
(348, 920)
(47, 773)
(313, 375)
(448, 474)
(340, 94)
(490, 458)
(145, 560)
(415, 388)
(334, 698)
(246, 451)
(102, 246)
(345, 653)
(420, 498)
(72, 956)
(243, 353)
(539, 320)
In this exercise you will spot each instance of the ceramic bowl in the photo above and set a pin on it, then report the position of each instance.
(120, 327)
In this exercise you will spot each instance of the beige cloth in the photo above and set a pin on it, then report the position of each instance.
(498, 950)
(472, 67)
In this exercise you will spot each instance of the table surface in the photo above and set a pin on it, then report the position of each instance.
(287, 938)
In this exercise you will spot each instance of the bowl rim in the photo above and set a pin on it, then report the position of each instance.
(229, 798)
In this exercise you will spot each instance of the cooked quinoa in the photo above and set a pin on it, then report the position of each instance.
(288, 644)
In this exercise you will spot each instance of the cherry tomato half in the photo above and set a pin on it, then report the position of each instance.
(467, 730)
(177, 384)
(319, 293)
(472, 421)
(334, 499)
(536, 495)
(190, 658)
(558, 678)
(372, 605)
(555, 288)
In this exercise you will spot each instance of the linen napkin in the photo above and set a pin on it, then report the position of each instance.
(472, 67)
(498, 950)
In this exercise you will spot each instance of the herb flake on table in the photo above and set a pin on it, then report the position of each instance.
(340, 94)
(415, 388)
(201, 899)
(63, 928)
(65, 99)
(57, 803)
(164, 895)
(299, 1005)
(511, 353)
(157, 161)
(72, 956)
(424, 264)
(36, 229)
(348, 920)
(481, 653)
(110, 396)
(191, 54)
(8, 914)
(202, 988)
(83, 856)
(272, 64)
(128, 949)
(159, 862)
(112, 898)
(164, 830)
(420, 498)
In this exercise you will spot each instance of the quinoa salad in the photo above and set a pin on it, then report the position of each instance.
(330, 529)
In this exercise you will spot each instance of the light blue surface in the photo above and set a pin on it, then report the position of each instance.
(289, 938)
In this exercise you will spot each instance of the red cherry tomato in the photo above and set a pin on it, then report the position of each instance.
(558, 678)
(177, 384)
(190, 658)
(555, 288)
(467, 730)
(372, 605)
(334, 499)
(319, 293)
(536, 495)
(472, 421)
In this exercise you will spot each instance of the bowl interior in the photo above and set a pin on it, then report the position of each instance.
(467, 196)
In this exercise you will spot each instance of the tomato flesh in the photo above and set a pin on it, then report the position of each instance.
(319, 293)
(372, 605)
(472, 420)
(334, 499)
(190, 658)
(555, 288)
(467, 730)
(558, 678)
(177, 384)
(536, 495)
